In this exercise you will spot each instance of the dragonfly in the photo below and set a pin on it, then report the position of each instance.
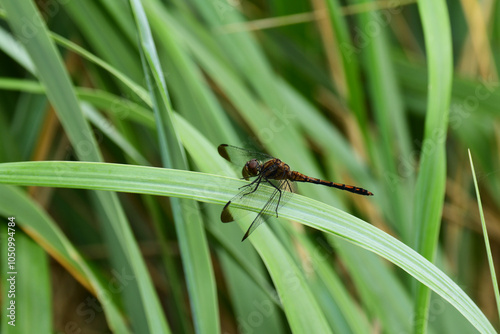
(273, 172)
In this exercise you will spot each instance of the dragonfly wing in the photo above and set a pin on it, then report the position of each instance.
(280, 196)
(256, 223)
(260, 217)
(287, 189)
(243, 198)
(247, 195)
(240, 156)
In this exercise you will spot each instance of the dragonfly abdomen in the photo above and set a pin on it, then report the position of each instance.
(342, 186)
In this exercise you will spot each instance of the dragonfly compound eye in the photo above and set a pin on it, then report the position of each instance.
(251, 169)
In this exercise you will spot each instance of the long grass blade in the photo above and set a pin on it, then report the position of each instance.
(486, 238)
(216, 189)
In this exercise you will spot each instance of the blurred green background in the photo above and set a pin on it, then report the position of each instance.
(384, 95)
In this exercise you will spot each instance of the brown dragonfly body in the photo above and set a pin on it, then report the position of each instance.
(275, 169)
(274, 172)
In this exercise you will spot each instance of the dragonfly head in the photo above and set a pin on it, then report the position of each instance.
(251, 169)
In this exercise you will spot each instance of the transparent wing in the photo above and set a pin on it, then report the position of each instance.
(277, 200)
(281, 193)
(240, 156)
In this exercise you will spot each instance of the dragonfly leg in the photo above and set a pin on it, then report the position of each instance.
(278, 205)
(257, 180)
(250, 184)
(279, 198)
